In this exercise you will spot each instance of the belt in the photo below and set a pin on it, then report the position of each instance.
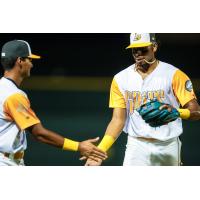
(148, 139)
(15, 156)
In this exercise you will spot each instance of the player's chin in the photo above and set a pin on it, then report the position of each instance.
(141, 63)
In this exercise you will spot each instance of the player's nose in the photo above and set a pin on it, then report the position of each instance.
(137, 52)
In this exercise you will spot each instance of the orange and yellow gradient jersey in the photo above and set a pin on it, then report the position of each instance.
(166, 83)
(15, 116)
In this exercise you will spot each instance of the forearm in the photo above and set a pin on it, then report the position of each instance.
(52, 138)
(115, 128)
(113, 131)
(56, 140)
(195, 115)
(190, 113)
(86, 147)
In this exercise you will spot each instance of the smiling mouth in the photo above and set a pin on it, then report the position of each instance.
(143, 60)
(139, 60)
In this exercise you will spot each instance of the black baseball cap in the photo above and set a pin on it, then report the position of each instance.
(17, 48)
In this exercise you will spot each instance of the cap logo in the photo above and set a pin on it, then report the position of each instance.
(3, 54)
(136, 37)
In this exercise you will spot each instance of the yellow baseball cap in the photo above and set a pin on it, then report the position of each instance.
(138, 40)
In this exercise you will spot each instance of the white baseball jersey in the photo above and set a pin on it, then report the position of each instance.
(15, 116)
(166, 83)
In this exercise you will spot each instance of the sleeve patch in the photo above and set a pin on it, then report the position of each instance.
(17, 107)
(182, 87)
(188, 85)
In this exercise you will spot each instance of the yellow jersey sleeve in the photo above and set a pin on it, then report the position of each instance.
(182, 87)
(17, 107)
(116, 97)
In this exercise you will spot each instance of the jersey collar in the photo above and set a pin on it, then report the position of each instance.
(12, 81)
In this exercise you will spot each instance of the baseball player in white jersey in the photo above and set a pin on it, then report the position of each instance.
(138, 84)
(16, 115)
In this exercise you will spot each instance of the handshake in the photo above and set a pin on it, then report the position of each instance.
(154, 113)
(95, 161)
(98, 154)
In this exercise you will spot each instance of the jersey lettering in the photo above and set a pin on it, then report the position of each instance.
(135, 99)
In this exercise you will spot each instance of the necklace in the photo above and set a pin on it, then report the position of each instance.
(148, 62)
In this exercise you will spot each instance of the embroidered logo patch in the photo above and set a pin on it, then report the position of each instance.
(23, 110)
(188, 85)
(136, 37)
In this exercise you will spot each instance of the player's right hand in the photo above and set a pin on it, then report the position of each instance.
(88, 149)
(91, 162)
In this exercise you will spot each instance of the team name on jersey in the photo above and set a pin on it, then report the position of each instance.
(134, 99)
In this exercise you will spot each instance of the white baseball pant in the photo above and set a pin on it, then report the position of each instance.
(141, 152)
(9, 161)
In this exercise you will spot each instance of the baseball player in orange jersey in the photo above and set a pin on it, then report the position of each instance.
(16, 115)
(138, 84)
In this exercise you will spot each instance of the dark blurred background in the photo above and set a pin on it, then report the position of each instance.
(103, 54)
(69, 88)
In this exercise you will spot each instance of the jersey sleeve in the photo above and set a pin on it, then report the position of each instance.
(17, 107)
(182, 87)
(116, 97)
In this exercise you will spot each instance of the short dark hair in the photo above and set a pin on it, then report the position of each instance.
(8, 63)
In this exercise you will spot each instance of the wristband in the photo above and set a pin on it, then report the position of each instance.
(70, 145)
(106, 142)
(184, 113)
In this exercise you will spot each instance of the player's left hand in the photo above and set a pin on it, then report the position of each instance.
(88, 149)
(156, 113)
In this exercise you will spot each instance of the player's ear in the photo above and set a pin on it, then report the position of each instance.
(155, 47)
(19, 62)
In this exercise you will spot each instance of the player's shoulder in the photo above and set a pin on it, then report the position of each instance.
(166, 66)
(9, 89)
(166, 70)
(169, 69)
(125, 72)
